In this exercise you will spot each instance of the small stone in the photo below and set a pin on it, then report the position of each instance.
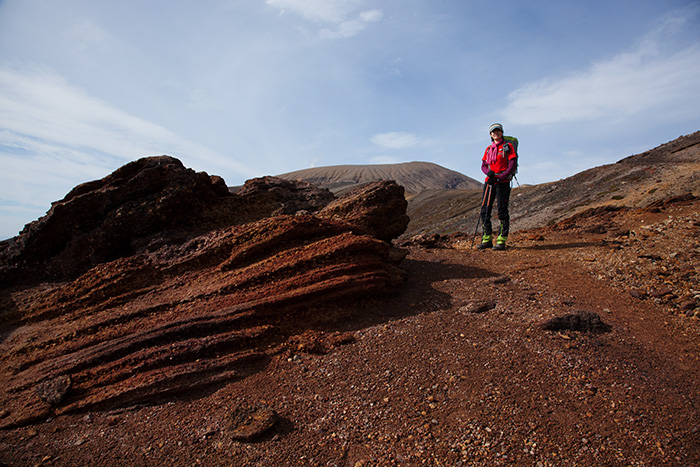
(581, 320)
(248, 423)
(478, 306)
(660, 292)
(638, 294)
(54, 391)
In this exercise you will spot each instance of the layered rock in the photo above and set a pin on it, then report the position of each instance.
(178, 309)
(141, 206)
(377, 209)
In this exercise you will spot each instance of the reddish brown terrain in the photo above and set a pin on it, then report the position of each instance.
(287, 328)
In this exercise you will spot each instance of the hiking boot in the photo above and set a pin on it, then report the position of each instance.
(500, 243)
(485, 245)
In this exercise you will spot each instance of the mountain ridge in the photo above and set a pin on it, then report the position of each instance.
(414, 176)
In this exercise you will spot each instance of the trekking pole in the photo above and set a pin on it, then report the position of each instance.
(487, 195)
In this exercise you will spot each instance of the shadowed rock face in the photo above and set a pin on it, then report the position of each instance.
(377, 209)
(178, 309)
(141, 206)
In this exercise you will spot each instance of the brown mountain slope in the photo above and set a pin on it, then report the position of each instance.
(669, 170)
(413, 176)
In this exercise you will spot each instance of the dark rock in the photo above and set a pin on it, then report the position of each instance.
(639, 294)
(291, 196)
(680, 199)
(377, 209)
(582, 321)
(596, 229)
(500, 280)
(141, 206)
(250, 423)
(478, 306)
(660, 292)
(54, 391)
(619, 233)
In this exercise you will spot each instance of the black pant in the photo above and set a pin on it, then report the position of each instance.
(500, 192)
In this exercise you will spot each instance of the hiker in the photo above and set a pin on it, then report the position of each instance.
(499, 163)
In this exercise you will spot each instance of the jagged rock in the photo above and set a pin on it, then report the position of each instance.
(190, 313)
(582, 321)
(638, 294)
(377, 209)
(54, 391)
(500, 280)
(141, 206)
(660, 292)
(292, 196)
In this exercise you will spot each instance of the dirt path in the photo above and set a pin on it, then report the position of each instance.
(452, 368)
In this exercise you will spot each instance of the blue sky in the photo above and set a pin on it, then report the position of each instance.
(246, 88)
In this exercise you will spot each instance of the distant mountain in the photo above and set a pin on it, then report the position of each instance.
(415, 177)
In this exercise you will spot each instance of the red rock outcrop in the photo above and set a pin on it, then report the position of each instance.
(377, 209)
(141, 206)
(178, 312)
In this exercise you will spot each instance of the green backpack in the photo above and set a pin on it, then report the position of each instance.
(514, 141)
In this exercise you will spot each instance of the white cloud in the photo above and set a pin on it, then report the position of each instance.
(395, 140)
(335, 12)
(648, 79)
(87, 33)
(371, 16)
(54, 135)
(329, 11)
(352, 28)
(384, 159)
(42, 113)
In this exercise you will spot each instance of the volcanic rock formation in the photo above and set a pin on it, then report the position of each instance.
(163, 282)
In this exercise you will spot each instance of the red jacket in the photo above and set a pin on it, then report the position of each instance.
(505, 164)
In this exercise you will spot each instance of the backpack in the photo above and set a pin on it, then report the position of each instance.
(514, 141)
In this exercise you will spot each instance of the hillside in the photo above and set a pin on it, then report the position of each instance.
(415, 177)
(669, 170)
(155, 318)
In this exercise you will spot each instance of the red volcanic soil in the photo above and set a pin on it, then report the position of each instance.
(578, 346)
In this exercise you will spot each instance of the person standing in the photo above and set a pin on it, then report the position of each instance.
(499, 164)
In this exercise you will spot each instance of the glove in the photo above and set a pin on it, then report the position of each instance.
(491, 177)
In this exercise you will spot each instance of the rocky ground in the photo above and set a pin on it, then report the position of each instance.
(454, 367)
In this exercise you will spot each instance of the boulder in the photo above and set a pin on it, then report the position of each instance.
(377, 209)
